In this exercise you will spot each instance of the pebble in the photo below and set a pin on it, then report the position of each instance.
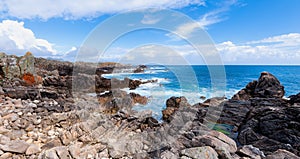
(51, 132)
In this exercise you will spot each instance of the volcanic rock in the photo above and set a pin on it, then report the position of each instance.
(267, 86)
(173, 104)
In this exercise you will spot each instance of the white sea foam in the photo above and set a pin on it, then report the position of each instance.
(104, 92)
(154, 71)
(157, 68)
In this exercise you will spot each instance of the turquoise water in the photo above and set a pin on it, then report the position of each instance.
(196, 81)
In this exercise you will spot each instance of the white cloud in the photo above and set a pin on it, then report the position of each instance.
(291, 39)
(149, 19)
(282, 49)
(204, 21)
(75, 9)
(16, 39)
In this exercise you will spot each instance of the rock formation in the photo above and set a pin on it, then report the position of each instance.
(45, 120)
(262, 118)
(267, 86)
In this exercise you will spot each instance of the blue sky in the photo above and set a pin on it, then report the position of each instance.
(244, 32)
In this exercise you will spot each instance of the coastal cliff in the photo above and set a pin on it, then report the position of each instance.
(40, 117)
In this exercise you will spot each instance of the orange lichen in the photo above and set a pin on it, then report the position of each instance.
(29, 79)
(28, 53)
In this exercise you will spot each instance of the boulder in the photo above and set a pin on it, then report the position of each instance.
(140, 69)
(262, 118)
(33, 149)
(272, 124)
(222, 144)
(250, 151)
(282, 154)
(138, 98)
(26, 64)
(172, 105)
(204, 152)
(15, 146)
(267, 86)
(215, 101)
(13, 66)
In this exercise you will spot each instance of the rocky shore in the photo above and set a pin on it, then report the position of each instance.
(41, 117)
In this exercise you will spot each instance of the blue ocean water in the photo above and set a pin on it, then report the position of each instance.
(196, 81)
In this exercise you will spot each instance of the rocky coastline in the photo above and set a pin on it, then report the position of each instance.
(41, 117)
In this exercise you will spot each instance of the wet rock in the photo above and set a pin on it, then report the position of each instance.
(140, 69)
(133, 84)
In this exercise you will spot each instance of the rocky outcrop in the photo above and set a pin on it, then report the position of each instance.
(294, 98)
(267, 86)
(172, 105)
(16, 67)
(44, 121)
(282, 154)
(251, 152)
(115, 100)
(140, 69)
(271, 125)
(262, 118)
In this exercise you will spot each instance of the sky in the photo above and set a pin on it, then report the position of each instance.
(242, 31)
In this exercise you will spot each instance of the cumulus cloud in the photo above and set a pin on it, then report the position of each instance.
(16, 39)
(76, 9)
(282, 49)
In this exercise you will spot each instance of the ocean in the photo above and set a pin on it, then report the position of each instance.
(194, 82)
